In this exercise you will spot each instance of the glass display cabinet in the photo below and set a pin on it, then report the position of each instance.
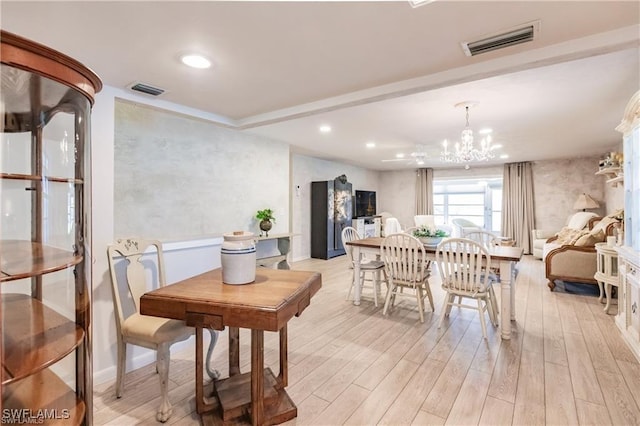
(628, 318)
(45, 266)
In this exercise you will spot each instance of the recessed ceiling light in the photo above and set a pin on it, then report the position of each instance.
(496, 146)
(194, 60)
(400, 155)
(503, 156)
(325, 128)
(485, 131)
(371, 145)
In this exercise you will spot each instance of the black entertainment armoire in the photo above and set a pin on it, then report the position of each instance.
(331, 211)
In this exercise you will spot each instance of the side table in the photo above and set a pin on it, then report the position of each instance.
(606, 271)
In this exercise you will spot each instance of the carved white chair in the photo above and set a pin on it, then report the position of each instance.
(403, 256)
(142, 330)
(367, 266)
(462, 271)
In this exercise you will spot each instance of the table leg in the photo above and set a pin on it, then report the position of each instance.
(607, 292)
(357, 290)
(257, 377)
(234, 351)
(283, 376)
(505, 298)
(201, 401)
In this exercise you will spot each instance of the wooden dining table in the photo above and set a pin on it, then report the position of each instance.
(506, 256)
(267, 304)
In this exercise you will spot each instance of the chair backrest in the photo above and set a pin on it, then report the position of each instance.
(348, 234)
(486, 238)
(136, 270)
(403, 257)
(463, 226)
(392, 226)
(410, 230)
(461, 265)
(424, 220)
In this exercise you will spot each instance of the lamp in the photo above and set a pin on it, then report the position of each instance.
(585, 202)
(464, 151)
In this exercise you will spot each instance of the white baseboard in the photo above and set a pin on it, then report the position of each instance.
(147, 357)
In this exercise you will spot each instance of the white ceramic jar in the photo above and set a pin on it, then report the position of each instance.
(238, 256)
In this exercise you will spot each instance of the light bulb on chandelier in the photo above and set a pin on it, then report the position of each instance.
(464, 151)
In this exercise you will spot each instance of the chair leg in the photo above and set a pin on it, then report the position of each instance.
(165, 410)
(213, 374)
(447, 302)
(493, 316)
(450, 299)
(390, 291)
(353, 277)
(430, 296)
(376, 287)
(122, 356)
(481, 315)
(420, 298)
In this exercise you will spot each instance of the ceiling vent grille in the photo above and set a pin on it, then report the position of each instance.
(521, 34)
(147, 89)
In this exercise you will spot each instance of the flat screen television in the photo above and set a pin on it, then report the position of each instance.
(365, 203)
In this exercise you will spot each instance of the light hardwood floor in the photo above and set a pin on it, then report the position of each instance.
(566, 364)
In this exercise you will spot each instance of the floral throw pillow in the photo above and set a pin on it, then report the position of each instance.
(568, 235)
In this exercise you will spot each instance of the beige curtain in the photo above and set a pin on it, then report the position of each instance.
(517, 204)
(424, 191)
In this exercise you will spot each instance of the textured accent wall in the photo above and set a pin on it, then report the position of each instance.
(178, 177)
(398, 195)
(305, 170)
(557, 184)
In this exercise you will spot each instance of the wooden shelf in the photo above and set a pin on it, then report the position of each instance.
(43, 394)
(614, 175)
(19, 176)
(23, 259)
(34, 336)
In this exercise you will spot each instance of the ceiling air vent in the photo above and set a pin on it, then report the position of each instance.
(147, 89)
(520, 34)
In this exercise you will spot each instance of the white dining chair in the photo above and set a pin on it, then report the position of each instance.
(392, 226)
(370, 267)
(462, 264)
(142, 259)
(488, 240)
(404, 259)
(424, 220)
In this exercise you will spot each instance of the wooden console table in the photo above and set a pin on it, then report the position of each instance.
(284, 246)
(267, 304)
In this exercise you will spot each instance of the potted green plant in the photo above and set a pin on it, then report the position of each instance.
(430, 235)
(265, 217)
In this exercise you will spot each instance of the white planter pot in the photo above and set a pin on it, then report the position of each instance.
(430, 241)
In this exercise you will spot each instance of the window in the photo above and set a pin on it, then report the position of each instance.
(477, 200)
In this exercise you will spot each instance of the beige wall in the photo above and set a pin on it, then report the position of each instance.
(179, 177)
(557, 184)
(305, 170)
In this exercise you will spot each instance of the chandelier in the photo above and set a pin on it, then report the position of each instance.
(464, 151)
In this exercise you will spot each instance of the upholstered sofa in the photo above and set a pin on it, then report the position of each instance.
(571, 254)
(539, 237)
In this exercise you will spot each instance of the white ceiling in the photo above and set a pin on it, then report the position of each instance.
(375, 71)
